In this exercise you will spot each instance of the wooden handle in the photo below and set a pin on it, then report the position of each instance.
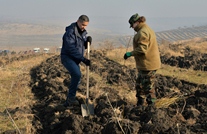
(87, 73)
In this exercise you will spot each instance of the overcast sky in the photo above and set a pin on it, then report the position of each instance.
(64, 11)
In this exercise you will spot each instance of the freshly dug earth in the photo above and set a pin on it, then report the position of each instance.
(114, 113)
(187, 115)
(191, 59)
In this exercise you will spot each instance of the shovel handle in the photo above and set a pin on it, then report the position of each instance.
(87, 73)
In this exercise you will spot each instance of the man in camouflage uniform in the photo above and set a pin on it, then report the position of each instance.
(147, 58)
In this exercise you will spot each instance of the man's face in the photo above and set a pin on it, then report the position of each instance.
(82, 25)
(135, 24)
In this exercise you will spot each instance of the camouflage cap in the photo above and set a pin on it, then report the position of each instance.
(133, 19)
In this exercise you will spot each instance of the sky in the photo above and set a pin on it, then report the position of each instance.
(106, 14)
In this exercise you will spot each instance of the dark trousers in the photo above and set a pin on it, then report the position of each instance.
(75, 73)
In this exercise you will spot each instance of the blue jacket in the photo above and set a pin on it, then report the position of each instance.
(73, 45)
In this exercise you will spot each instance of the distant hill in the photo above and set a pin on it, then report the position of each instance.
(182, 34)
(28, 35)
(21, 36)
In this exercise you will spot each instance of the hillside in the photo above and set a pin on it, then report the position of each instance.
(39, 87)
(182, 34)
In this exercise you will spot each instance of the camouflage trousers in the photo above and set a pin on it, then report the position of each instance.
(145, 88)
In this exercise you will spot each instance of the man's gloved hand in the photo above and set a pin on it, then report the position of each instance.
(89, 39)
(127, 55)
(87, 62)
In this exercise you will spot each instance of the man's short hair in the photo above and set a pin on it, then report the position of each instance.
(83, 18)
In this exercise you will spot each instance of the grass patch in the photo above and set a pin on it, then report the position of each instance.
(165, 102)
(16, 93)
(199, 77)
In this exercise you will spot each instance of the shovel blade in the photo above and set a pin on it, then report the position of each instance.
(87, 109)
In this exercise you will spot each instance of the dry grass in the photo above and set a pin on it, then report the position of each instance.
(16, 93)
(165, 102)
(198, 45)
(166, 50)
(118, 54)
(199, 77)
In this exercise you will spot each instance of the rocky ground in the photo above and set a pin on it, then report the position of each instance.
(114, 113)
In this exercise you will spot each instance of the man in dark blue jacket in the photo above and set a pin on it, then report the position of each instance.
(72, 53)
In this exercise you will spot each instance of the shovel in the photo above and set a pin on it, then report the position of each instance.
(87, 108)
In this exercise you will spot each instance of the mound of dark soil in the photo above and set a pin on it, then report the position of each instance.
(191, 59)
(50, 80)
(49, 84)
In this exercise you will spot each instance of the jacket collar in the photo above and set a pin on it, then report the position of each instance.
(77, 33)
(138, 27)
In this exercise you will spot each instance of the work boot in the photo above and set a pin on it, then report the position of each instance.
(140, 101)
(141, 107)
(71, 101)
